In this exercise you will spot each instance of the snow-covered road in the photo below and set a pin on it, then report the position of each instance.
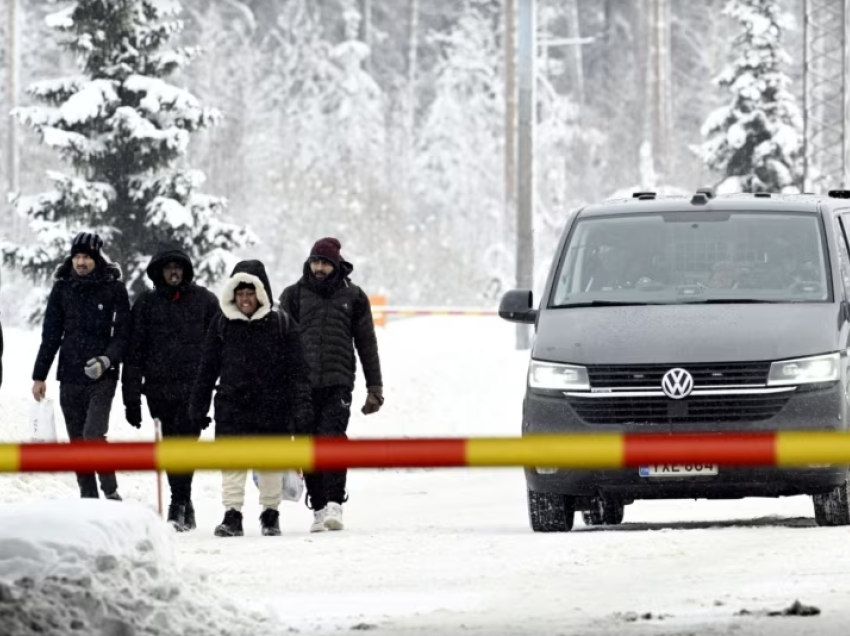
(449, 551)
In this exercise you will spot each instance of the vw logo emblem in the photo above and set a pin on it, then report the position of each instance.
(677, 384)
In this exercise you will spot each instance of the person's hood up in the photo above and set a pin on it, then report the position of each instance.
(163, 258)
(253, 273)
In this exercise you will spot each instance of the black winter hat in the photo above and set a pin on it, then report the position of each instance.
(327, 249)
(87, 243)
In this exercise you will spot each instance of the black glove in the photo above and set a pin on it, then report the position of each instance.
(134, 415)
(374, 400)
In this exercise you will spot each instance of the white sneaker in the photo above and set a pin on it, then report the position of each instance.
(333, 516)
(319, 520)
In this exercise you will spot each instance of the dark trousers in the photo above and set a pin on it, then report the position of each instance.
(173, 415)
(86, 409)
(331, 412)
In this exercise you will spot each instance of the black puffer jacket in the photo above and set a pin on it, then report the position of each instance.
(263, 384)
(334, 317)
(85, 318)
(169, 327)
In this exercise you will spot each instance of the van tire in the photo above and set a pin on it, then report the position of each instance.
(550, 512)
(833, 508)
(604, 512)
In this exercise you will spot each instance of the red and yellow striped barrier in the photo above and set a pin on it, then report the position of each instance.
(788, 449)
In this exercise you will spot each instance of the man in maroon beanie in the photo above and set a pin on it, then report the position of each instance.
(335, 318)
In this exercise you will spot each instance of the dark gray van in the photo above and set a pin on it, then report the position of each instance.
(690, 314)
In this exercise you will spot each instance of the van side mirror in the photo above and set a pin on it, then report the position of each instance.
(516, 306)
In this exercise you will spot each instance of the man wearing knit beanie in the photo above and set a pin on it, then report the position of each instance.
(335, 319)
(87, 321)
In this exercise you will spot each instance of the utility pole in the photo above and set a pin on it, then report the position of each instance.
(12, 54)
(525, 188)
(576, 53)
(510, 113)
(658, 72)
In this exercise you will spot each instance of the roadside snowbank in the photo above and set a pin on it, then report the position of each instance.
(101, 567)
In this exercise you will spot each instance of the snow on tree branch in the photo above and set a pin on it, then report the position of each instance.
(122, 126)
(755, 142)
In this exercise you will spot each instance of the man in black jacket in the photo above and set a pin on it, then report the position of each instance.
(88, 322)
(263, 387)
(169, 326)
(334, 317)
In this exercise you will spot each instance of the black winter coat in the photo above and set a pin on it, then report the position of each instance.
(334, 317)
(85, 318)
(263, 386)
(169, 325)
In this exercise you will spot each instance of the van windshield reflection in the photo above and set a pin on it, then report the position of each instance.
(737, 257)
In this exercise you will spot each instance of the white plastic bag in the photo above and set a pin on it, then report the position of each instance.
(292, 483)
(42, 423)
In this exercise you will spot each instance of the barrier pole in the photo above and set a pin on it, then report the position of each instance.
(576, 451)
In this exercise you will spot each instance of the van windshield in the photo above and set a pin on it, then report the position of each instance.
(693, 257)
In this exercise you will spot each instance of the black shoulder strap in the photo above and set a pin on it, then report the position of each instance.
(295, 303)
(220, 327)
(282, 322)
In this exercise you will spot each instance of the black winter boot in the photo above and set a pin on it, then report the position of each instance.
(177, 517)
(231, 526)
(189, 517)
(270, 523)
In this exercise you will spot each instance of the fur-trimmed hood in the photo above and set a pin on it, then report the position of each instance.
(253, 273)
(103, 271)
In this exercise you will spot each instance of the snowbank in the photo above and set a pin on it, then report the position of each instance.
(103, 567)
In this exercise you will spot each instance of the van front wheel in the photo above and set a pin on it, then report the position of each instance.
(833, 508)
(549, 512)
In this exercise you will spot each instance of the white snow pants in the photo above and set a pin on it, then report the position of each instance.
(233, 489)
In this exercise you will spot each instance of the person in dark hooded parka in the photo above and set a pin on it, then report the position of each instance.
(169, 324)
(87, 321)
(254, 352)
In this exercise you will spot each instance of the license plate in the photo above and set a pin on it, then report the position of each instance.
(678, 470)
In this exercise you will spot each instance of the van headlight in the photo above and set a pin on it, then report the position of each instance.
(805, 370)
(557, 377)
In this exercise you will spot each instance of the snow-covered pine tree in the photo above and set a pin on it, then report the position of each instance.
(755, 142)
(460, 173)
(123, 128)
(354, 104)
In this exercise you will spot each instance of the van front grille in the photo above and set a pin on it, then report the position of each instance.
(705, 375)
(662, 410)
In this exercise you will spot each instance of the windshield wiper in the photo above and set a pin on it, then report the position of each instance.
(607, 303)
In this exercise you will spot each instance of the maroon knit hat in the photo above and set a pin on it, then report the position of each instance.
(327, 248)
